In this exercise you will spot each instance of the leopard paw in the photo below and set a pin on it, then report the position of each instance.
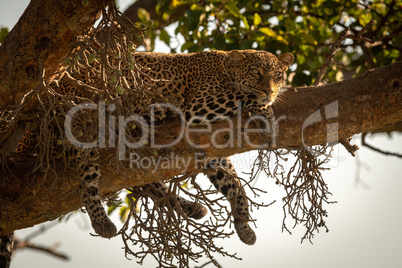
(244, 231)
(105, 229)
(194, 210)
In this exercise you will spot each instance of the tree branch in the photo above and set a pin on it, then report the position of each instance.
(18, 244)
(309, 116)
(150, 6)
(38, 43)
(364, 143)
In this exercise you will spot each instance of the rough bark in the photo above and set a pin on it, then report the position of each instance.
(41, 39)
(44, 36)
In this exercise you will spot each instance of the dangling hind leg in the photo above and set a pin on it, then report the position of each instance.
(224, 177)
(89, 179)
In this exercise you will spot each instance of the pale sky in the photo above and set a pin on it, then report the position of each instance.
(365, 225)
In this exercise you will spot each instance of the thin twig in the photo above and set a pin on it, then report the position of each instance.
(349, 147)
(364, 143)
(330, 55)
(205, 264)
(43, 228)
(18, 244)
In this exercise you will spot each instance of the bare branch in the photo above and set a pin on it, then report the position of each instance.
(205, 264)
(331, 54)
(350, 148)
(306, 191)
(364, 143)
(166, 230)
(329, 57)
(18, 244)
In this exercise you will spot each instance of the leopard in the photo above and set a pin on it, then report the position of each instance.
(206, 87)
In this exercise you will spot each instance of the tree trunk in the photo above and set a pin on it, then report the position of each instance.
(39, 42)
(6, 249)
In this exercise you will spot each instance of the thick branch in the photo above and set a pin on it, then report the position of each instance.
(321, 115)
(39, 42)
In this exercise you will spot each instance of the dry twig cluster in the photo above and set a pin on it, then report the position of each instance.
(163, 230)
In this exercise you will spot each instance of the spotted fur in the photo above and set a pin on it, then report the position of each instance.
(209, 86)
(206, 86)
(89, 180)
(224, 177)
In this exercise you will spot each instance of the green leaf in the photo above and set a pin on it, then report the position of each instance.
(119, 90)
(268, 31)
(143, 15)
(3, 33)
(193, 18)
(231, 6)
(164, 36)
(365, 18)
(257, 19)
(111, 209)
(394, 54)
(187, 46)
(227, 25)
(124, 211)
(380, 8)
(246, 25)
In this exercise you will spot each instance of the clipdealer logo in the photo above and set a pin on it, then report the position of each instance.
(117, 138)
(112, 132)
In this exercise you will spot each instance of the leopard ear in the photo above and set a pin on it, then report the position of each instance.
(286, 60)
(237, 57)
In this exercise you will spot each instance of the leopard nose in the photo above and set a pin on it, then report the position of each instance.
(272, 86)
(269, 86)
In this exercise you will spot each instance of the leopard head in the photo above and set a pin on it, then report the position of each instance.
(260, 73)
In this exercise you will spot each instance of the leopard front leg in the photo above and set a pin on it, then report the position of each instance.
(265, 115)
(89, 180)
(224, 177)
(256, 108)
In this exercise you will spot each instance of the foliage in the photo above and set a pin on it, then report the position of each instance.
(305, 28)
(3, 34)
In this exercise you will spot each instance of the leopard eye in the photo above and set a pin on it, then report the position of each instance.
(255, 71)
(278, 74)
